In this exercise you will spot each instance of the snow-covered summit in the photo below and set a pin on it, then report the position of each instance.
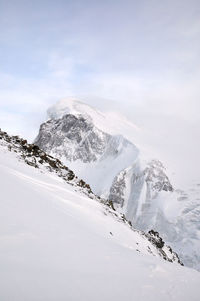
(110, 122)
(71, 106)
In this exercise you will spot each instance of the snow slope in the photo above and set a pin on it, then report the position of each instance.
(58, 244)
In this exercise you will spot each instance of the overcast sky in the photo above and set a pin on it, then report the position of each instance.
(137, 57)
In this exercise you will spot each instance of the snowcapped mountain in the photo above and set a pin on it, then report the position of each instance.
(95, 155)
(61, 242)
(91, 144)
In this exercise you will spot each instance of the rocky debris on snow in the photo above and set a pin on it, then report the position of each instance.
(166, 251)
(34, 156)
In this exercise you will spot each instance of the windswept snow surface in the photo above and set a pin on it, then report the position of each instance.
(56, 244)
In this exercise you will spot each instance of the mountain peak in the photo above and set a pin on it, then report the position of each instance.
(71, 105)
(110, 122)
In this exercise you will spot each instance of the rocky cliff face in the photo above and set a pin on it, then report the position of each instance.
(114, 168)
(74, 138)
(153, 177)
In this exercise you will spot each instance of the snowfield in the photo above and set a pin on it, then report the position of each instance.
(57, 244)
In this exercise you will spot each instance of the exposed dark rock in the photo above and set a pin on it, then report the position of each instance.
(110, 203)
(154, 237)
(71, 176)
(157, 241)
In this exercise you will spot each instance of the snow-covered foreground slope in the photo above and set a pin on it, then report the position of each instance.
(58, 244)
